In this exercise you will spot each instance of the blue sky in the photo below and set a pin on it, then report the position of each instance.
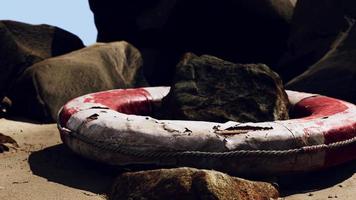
(71, 15)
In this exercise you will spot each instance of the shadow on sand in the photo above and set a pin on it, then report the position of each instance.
(318, 180)
(58, 164)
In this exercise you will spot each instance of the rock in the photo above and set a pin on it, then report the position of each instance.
(293, 2)
(23, 45)
(247, 31)
(188, 183)
(210, 89)
(4, 139)
(5, 105)
(335, 74)
(316, 25)
(46, 86)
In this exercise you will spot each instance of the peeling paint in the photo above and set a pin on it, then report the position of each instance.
(241, 130)
(323, 121)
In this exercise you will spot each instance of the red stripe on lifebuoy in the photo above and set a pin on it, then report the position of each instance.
(324, 107)
(131, 101)
(128, 101)
(318, 106)
(340, 155)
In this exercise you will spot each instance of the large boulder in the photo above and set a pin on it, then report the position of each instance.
(316, 25)
(22, 45)
(46, 86)
(335, 74)
(210, 89)
(245, 31)
(188, 184)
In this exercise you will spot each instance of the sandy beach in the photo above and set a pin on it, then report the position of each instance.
(43, 168)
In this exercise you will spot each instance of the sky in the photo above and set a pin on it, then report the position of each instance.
(72, 15)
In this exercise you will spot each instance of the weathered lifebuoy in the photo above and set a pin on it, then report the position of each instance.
(109, 127)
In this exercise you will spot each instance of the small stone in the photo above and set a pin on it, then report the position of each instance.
(310, 194)
(5, 105)
(4, 139)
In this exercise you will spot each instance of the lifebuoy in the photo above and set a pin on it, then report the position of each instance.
(110, 127)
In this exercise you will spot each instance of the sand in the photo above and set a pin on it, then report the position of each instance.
(43, 168)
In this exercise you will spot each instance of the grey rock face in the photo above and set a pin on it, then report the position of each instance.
(335, 74)
(188, 183)
(210, 89)
(46, 86)
(321, 52)
(316, 26)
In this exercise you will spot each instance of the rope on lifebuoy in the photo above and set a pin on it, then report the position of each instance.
(118, 148)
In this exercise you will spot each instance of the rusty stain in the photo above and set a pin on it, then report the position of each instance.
(99, 107)
(169, 129)
(92, 117)
(186, 130)
(236, 130)
(216, 128)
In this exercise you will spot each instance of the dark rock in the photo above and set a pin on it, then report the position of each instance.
(316, 25)
(247, 31)
(5, 105)
(46, 86)
(335, 74)
(4, 139)
(189, 184)
(23, 45)
(210, 89)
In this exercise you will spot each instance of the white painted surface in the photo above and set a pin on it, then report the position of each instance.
(143, 133)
